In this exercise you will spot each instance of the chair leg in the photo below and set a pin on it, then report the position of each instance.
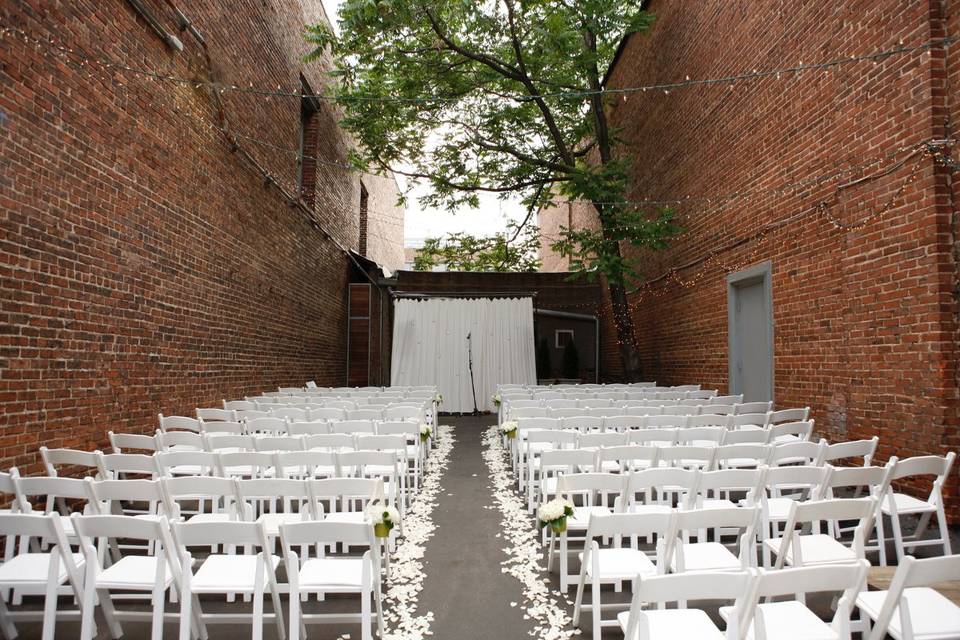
(88, 604)
(109, 613)
(7, 628)
(378, 600)
(944, 530)
(881, 539)
(365, 623)
(921, 527)
(595, 606)
(50, 599)
(156, 629)
(257, 621)
(578, 601)
(897, 535)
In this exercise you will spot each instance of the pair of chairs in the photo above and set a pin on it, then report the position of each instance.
(623, 560)
(753, 615)
(171, 568)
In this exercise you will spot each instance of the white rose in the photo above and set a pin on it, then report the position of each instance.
(379, 513)
(508, 426)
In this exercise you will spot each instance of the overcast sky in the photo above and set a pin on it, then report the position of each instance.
(420, 223)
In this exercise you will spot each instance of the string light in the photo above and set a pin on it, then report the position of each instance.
(753, 74)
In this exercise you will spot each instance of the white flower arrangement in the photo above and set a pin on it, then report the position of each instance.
(382, 517)
(425, 432)
(497, 400)
(509, 428)
(438, 399)
(554, 512)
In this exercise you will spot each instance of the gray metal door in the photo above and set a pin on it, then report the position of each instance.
(751, 334)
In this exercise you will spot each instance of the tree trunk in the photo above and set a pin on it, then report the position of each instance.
(627, 343)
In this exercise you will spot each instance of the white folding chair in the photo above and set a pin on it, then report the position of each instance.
(621, 459)
(306, 465)
(653, 491)
(596, 492)
(819, 546)
(154, 574)
(123, 442)
(617, 563)
(191, 495)
(753, 407)
(178, 423)
(218, 443)
(797, 453)
(277, 501)
(223, 426)
(329, 442)
(731, 400)
(895, 504)
(239, 405)
(910, 609)
(249, 574)
(663, 623)
(860, 450)
(702, 554)
(354, 427)
(87, 461)
(272, 426)
(179, 441)
(38, 573)
(857, 481)
(791, 432)
(216, 415)
(270, 444)
(791, 618)
(328, 573)
(328, 413)
(56, 495)
(246, 464)
(553, 465)
(307, 428)
(783, 486)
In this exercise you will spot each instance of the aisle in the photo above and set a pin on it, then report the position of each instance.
(465, 589)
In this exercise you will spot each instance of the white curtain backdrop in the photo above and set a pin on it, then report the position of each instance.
(430, 346)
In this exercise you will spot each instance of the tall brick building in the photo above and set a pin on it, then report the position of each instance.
(162, 245)
(820, 182)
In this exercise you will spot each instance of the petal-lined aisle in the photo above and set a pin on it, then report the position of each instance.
(408, 617)
(540, 601)
(469, 595)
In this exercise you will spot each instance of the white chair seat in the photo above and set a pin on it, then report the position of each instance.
(132, 572)
(345, 516)
(717, 503)
(33, 567)
(816, 549)
(210, 517)
(332, 572)
(581, 517)
(787, 437)
(932, 615)
(789, 620)
(225, 573)
(740, 463)
(906, 504)
(621, 564)
(706, 556)
(649, 508)
(675, 623)
(187, 470)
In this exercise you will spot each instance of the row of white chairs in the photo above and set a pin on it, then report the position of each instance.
(639, 409)
(302, 413)
(627, 422)
(772, 604)
(173, 568)
(277, 425)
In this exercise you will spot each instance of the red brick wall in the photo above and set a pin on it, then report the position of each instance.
(865, 314)
(144, 266)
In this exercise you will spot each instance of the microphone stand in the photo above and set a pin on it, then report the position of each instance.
(473, 386)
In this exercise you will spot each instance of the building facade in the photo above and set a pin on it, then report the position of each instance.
(174, 231)
(818, 263)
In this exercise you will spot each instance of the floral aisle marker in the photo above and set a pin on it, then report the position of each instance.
(402, 590)
(542, 604)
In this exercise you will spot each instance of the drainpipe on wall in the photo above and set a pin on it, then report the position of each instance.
(171, 40)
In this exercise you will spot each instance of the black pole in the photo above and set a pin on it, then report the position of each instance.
(473, 386)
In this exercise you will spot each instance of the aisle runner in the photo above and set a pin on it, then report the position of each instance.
(406, 566)
(543, 605)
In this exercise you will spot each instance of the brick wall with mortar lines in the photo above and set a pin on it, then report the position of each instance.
(144, 267)
(865, 315)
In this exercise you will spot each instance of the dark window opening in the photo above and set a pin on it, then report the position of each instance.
(364, 203)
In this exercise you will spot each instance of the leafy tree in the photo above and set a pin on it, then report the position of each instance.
(465, 252)
(571, 360)
(506, 97)
(544, 366)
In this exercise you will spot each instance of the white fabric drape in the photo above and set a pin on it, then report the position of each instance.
(430, 347)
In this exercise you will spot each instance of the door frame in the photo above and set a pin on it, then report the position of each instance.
(751, 275)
